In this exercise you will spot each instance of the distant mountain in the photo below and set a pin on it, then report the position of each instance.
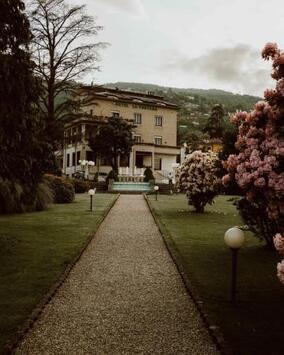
(229, 100)
(195, 105)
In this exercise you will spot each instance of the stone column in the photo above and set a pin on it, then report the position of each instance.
(153, 160)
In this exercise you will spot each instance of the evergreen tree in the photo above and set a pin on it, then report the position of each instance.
(23, 151)
(215, 123)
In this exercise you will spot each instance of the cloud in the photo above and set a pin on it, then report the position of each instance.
(239, 67)
(133, 7)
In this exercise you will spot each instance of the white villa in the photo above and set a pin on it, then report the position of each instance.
(154, 131)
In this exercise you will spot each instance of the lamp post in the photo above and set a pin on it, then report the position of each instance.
(234, 238)
(86, 164)
(91, 193)
(156, 188)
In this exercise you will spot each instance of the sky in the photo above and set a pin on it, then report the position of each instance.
(187, 43)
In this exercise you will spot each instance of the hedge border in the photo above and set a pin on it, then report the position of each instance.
(12, 345)
(214, 332)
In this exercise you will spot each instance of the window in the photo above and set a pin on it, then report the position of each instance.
(115, 114)
(158, 140)
(158, 120)
(73, 159)
(68, 160)
(137, 118)
(137, 139)
(89, 155)
(78, 157)
(158, 163)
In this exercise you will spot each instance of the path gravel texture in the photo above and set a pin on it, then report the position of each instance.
(124, 296)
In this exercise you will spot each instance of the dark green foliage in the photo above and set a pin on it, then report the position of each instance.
(112, 140)
(112, 175)
(24, 150)
(81, 186)
(44, 196)
(215, 123)
(63, 190)
(229, 140)
(12, 197)
(148, 175)
(257, 219)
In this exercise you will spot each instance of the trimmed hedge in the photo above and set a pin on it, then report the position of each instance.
(63, 190)
(19, 198)
(80, 186)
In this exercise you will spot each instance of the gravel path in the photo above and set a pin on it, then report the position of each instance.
(124, 296)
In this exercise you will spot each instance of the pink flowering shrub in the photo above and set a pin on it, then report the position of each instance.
(258, 168)
(279, 245)
(197, 176)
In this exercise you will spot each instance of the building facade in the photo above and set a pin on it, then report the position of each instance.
(154, 132)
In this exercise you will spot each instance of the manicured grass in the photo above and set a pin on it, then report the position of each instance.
(253, 326)
(35, 249)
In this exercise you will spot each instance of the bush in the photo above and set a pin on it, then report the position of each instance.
(63, 190)
(80, 186)
(112, 175)
(18, 198)
(44, 197)
(148, 175)
(258, 165)
(198, 177)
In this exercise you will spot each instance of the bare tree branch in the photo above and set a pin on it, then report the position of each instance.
(62, 51)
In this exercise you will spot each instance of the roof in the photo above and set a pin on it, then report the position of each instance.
(134, 97)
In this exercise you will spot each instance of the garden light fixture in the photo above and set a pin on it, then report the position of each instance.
(91, 193)
(234, 238)
(156, 188)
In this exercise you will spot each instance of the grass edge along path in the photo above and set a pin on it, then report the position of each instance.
(214, 331)
(254, 324)
(11, 344)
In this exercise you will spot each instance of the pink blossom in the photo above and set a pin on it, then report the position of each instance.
(270, 50)
(279, 60)
(280, 271)
(279, 243)
(260, 182)
(280, 86)
(269, 94)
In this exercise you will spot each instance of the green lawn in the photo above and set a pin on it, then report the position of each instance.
(35, 249)
(256, 324)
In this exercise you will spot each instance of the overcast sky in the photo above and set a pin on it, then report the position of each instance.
(188, 43)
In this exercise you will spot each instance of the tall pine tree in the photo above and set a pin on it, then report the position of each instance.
(215, 123)
(23, 148)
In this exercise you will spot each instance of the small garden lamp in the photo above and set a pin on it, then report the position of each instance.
(156, 188)
(234, 238)
(91, 193)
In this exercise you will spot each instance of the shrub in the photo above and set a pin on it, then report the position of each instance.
(258, 167)
(63, 190)
(80, 186)
(10, 197)
(112, 175)
(44, 197)
(198, 177)
(148, 175)
(19, 198)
